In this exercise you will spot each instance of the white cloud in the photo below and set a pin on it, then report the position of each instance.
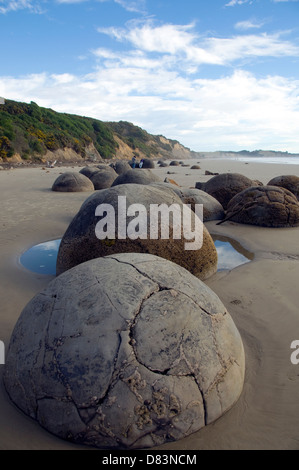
(233, 3)
(7, 6)
(248, 24)
(233, 112)
(182, 42)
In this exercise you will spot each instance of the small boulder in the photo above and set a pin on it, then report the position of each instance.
(136, 176)
(121, 167)
(290, 182)
(103, 179)
(72, 182)
(148, 163)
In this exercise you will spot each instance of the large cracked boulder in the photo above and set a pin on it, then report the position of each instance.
(290, 182)
(266, 206)
(81, 242)
(225, 186)
(128, 351)
(71, 181)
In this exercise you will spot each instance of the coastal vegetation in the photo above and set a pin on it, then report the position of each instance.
(30, 131)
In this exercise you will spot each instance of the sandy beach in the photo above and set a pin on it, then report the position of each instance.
(261, 296)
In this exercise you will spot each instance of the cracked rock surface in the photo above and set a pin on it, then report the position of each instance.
(80, 243)
(266, 206)
(125, 351)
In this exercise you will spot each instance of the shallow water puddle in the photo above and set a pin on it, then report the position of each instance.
(230, 253)
(42, 258)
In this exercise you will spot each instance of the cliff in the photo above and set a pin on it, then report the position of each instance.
(30, 133)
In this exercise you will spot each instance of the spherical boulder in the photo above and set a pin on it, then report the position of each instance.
(112, 212)
(121, 167)
(72, 182)
(225, 186)
(266, 206)
(136, 176)
(212, 209)
(125, 352)
(89, 171)
(174, 163)
(103, 179)
(290, 182)
(148, 163)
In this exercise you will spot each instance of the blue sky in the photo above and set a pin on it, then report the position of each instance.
(214, 75)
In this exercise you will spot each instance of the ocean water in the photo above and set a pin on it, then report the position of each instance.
(283, 160)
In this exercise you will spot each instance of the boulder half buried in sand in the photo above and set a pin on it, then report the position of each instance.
(133, 232)
(266, 206)
(72, 182)
(127, 351)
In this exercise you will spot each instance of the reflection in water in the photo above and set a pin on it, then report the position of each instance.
(230, 253)
(41, 258)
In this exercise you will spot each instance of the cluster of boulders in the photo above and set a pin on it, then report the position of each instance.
(127, 347)
(250, 202)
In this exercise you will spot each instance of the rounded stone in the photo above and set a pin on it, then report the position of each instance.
(290, 182)
(136, 176)
(174, 163)
(89, 171)
(225, 186)
(212, 209)
(103, 179)
(81, 242)
(266, 206)
(125, 352)
(121, 167)
(72, 182)
(148, 163)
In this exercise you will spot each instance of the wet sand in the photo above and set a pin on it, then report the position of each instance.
(261, 296)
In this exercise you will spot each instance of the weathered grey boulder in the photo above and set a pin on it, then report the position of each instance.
(212, 209)
(89, 171)
(267, 206)
(121, 167)
(72, 182)
(195, 167)
(290, 182)
(128, 351)
(136, 176)
(103, 179)
(174, 163)
(80, 242)
(163, 165)
(148, 163)
(225, 186)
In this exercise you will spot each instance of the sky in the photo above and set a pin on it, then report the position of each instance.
(212, 74)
